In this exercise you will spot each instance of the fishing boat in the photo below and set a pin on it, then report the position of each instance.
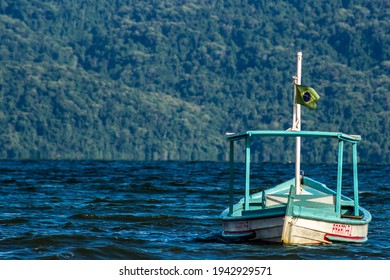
(301, 210)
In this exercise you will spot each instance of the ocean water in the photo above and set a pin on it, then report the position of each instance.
(115, 210)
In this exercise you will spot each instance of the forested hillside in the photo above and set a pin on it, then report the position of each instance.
(165, 79)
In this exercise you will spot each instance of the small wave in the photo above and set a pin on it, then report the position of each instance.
(178, 183)
(8, 181)
(83, 216)
(99, 200)
(130, 218)
(366, 193)
(384, 187)
(218, 238)
(14, 221)
(111, 252)
(73, 181)
(145, 187)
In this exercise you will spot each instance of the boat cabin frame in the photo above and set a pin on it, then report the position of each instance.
(341, 137)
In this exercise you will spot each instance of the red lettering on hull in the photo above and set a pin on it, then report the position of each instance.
(342, 229)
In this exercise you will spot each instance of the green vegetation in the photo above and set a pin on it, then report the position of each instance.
(165, 79)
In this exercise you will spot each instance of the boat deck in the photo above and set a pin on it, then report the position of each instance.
(314, 199)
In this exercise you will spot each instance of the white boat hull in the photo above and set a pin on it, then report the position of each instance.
(293, 230)
(264, 229)
(298, 230)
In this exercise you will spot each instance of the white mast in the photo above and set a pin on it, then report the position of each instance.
(297, 125)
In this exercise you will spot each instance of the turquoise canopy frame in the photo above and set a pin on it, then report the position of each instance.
(342, 138)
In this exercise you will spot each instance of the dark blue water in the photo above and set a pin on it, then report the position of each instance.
(156, 210)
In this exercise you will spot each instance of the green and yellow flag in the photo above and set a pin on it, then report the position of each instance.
(306, 96)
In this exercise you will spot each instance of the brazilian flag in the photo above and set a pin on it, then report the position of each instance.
(306, 96)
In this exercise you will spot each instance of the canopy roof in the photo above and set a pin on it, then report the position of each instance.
(293, 133)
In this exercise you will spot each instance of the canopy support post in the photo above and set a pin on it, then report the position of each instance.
(247, 171)
(231, 179)
(339, 176)
(355, 180)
